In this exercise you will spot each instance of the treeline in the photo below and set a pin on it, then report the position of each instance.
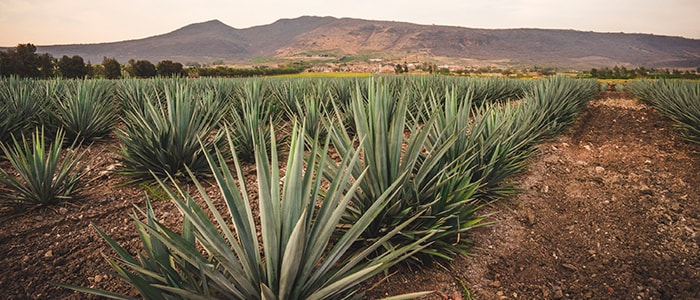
(220, 71)
(642, 72)
(23, 61)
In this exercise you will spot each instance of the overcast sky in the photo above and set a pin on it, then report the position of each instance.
(46, 22)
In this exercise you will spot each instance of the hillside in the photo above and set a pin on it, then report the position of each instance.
(300, 37)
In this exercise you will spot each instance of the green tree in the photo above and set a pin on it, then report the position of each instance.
(46, 65)
(142, 68)
(398, 69)
(429, 67)
(90, 70)
(72, 67)
(169, 68)
(112, 68)
(22, 61)
(594, 73)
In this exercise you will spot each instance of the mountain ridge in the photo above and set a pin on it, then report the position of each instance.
(212, 40)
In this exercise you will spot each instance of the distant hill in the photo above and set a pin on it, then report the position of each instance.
(310, 36)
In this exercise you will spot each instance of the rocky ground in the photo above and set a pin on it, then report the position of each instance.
(609, 210)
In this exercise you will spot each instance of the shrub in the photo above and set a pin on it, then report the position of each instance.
(301, 257)
(47, 175)
(436, 192)
(676, 100)
(20, 107)
(87, 110)
(254, 114)
(160, 136)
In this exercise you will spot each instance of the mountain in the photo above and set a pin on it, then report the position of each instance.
(201, 42)
(346, 37)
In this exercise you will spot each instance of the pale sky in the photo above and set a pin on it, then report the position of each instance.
(48, 22)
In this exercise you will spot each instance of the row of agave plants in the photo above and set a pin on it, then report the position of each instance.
(678, 100)
(419, 156)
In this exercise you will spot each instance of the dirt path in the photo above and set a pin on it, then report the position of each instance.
(609, 210)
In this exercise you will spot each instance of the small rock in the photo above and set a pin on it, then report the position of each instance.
(530, 218)
(499, 293)
(655, 282)
(645, 190)
(98, 278)
(675, 206)
(108, 170)
(558, 293)
(614, 179)
(587, 147)
(48, 254)
(599, 170)
(581, 163)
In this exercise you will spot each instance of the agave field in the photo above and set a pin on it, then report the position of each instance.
(316, 188)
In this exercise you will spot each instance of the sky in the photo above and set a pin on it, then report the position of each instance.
(49, 22)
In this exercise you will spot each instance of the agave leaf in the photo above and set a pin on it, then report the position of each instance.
(409, 296)
(292, 258)
(344, 282)
(97, 292)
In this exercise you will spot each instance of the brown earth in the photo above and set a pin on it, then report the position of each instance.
(609, 210)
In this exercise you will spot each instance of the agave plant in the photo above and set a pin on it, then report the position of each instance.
(87, 111)
(503, 138)
(301, 256)
(133, 94)
(677, 100)
(397, 148)
(557, 101)
(505, 134)
(310, 107)
(47, 174)
(255, 114)
(20, 107)
(160, 136)
(287, 92)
